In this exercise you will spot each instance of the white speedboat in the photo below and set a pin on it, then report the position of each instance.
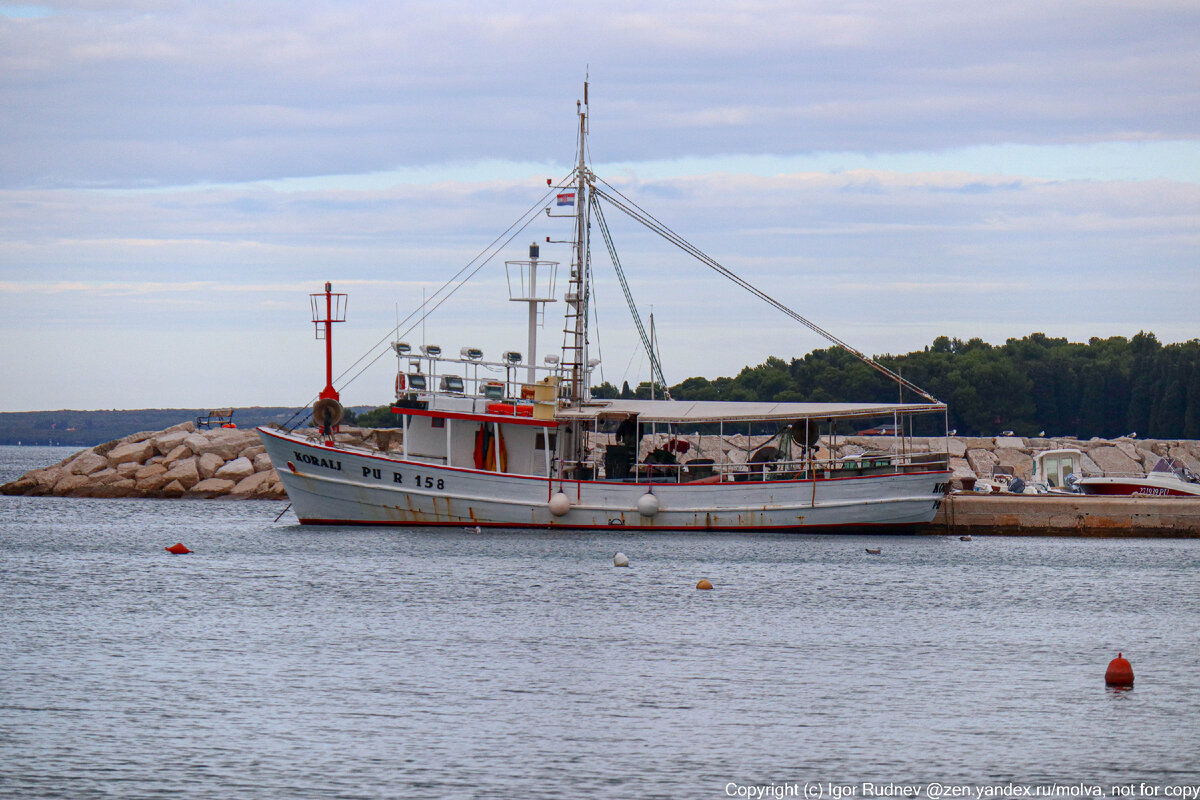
(1167, 478)
(514, 443)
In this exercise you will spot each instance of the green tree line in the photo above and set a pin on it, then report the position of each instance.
(1106, 387)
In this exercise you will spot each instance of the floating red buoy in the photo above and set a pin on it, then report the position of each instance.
(1120, 672)
(178, 549)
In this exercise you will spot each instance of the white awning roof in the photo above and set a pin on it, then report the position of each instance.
(723, 410)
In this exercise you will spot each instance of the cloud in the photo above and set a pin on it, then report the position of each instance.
(174, 93)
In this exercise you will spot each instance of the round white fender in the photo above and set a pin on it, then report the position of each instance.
(559, 504)
(647, 505)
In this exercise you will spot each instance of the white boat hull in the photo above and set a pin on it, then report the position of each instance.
(334, 485)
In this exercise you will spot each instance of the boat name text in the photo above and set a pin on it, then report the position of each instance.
(327, 463)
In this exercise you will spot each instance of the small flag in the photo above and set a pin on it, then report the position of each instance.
(566, 199)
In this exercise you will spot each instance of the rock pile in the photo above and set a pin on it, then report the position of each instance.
(177, 462)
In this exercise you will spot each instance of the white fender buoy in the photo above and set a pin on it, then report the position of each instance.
(647, 505)
(559, 504)
(620, 560)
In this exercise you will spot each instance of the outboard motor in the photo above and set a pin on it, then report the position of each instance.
(1016, 486)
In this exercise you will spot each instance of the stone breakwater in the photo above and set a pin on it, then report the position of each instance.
(177, 462)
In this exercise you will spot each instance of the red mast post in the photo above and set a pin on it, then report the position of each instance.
(328, 307)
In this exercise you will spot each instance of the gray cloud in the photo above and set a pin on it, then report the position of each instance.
(171, 93)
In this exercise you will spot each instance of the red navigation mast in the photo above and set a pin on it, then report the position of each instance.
(328, 307)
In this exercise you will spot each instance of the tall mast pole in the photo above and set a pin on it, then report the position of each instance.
(577, 297)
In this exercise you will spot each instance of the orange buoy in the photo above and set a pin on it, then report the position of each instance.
(178, 549)
(1119, 673)
(704, 584)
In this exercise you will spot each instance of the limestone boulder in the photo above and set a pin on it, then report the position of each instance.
(1021, 463)
(956, 448)
(117, 487)
(224, 442)
(386, 439)
(1128, 448)
(1010, 441)
(185, 472)
(252, 451)
(149, 471)
(128, 469)
(135, 452)
(182, 451)
(196, 442)
(961, 468)
(982, 461)
(236, 470)
(1185, 457)
(172, 489)
(87, 463)
(1114, 461)
(251, 484)
(207, 464)
(71, 484)
(262, 462)
(1088, 467)
(151, 479)
(45, 479)
(976, 443)
(186, 427)
(211, 487)
(166, 442)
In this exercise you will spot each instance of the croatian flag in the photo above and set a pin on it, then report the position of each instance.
(566, 199)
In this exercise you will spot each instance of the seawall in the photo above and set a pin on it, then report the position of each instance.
(1066, 515)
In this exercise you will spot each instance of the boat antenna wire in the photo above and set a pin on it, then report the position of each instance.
(639, 214)
(655, 368)
(425, 309)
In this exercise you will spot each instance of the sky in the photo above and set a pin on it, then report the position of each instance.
(177, 177)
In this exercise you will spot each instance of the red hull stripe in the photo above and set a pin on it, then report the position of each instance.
(872, 526)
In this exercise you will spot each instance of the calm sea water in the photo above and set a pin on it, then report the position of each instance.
(280, 661)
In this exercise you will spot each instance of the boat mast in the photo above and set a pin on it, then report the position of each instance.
(576, 354)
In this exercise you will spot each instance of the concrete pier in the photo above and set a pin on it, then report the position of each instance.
(1063, 515)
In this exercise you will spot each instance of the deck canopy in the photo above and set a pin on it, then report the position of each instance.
(727, 411)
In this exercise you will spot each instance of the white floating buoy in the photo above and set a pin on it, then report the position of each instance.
(560, 504)
(647, 505)
(620, 560)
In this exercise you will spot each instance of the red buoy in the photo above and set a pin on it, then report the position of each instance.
(178, 549)
(1120, 672)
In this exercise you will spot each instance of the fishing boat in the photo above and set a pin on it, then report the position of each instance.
(511, 442)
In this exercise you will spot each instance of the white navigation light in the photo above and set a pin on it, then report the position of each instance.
(551, 359)
(512, 357)
(402, 348)
(471, 353)
(431, 350)
(593, 363)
